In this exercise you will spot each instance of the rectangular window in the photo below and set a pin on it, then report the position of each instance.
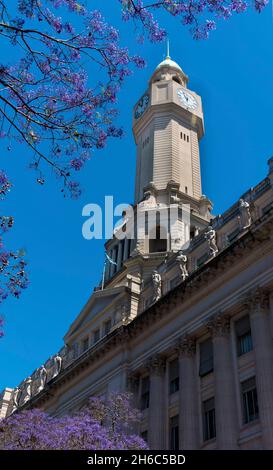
(96, 336)
(250, 401)
(145, 393)
(188, 139)
(244, 338)
(206, 358)
(85, 344)
(107, 327)
(209, 428)
(174, 376)
(174, 433)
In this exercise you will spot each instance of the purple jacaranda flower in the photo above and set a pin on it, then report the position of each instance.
(36, 430)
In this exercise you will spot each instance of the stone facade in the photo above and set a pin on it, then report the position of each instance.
(187, 329)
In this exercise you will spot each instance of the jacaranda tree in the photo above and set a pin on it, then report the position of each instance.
(13, 275)
(102, 424)
(48, 101)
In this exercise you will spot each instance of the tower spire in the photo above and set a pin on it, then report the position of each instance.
(168, 50)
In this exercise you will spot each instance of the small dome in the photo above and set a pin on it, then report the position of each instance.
(168, 62)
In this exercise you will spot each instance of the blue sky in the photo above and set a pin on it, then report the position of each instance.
(233, 72)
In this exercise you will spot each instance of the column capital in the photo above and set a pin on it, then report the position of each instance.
(156, 364)
(133, 381)
(219, 325)
(186, 345)
(257, 298)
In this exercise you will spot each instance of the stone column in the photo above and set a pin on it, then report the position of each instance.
(133, 381)
(226, 412)
(271, 313)
(263, 350)
(188, 396)
(126, 247)
(157, 404)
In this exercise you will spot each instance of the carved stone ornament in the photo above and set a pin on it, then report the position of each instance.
(156, 365)
(256, 299)
(245, 215)
(182, 261)
(210, 235)
(26, 391)
(149, 200)
(186, 346)
(15, 398)
(42, 378)
(57, 365)
(156, 278)
(219, 325)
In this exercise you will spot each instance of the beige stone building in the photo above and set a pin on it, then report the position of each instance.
(184, 318)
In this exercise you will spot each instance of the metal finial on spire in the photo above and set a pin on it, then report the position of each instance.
(168, 49)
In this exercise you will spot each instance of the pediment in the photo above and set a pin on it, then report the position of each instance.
(97, 303)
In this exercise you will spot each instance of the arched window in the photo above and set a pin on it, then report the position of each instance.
(176, 79)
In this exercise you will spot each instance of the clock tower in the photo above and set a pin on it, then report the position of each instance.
(169, 208)
(168, 124)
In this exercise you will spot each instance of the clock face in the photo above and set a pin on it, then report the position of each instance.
(187, 99)
(142, 105)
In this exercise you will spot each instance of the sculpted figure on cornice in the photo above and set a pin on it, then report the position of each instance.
(26, 391)
(245, 215)
(219, 325)
(42, 378)
(157, 285)
(122, 313)
(182, 260)
(15, 399)
(57, 365)
(149, 200)
(210, 235)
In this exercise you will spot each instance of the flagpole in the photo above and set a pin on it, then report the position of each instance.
(103, 275)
